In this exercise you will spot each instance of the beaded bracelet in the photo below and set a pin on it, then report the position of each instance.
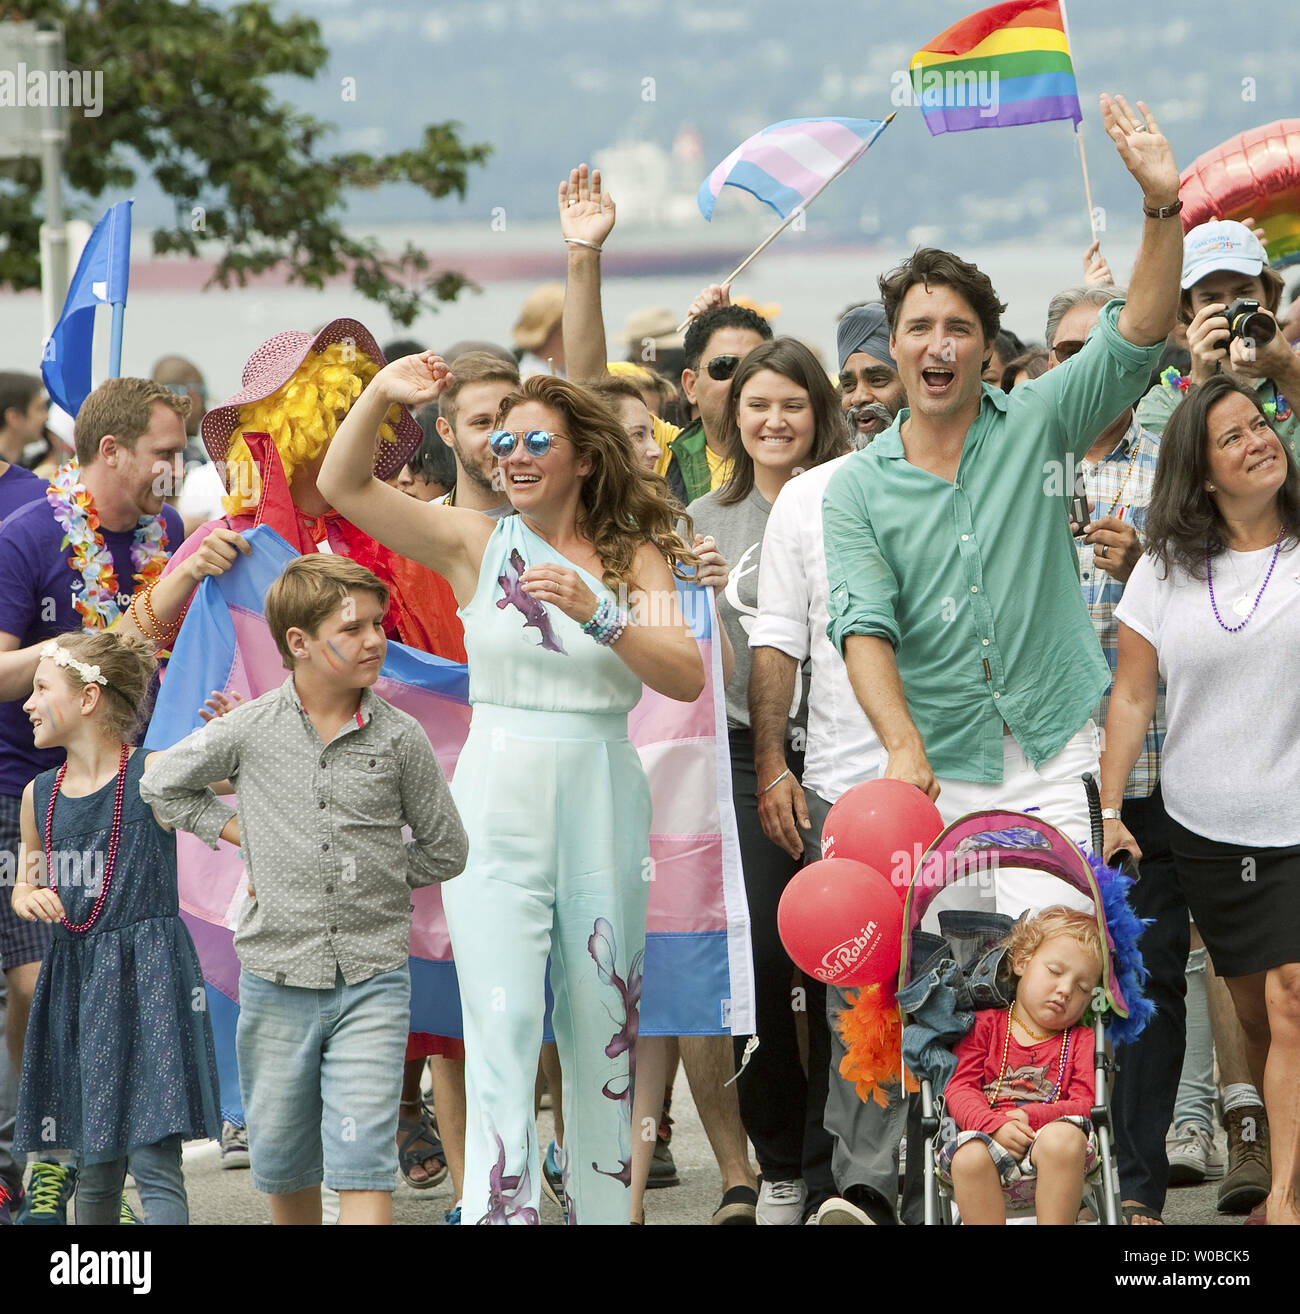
(607, 623)
(163, 634)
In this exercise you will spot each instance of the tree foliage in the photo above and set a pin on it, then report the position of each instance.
(185, 98)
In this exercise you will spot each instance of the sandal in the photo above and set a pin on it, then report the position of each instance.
(419, 1147)
(1131, 1210)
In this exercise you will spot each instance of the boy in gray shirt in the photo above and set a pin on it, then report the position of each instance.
(326, 774)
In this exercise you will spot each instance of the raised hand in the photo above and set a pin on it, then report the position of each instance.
(586, 212)
(1143, 148)
(716, 294)
(415, 380)
(1096, 272)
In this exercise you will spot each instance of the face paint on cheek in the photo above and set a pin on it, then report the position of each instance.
(333, 657)
(51, 717)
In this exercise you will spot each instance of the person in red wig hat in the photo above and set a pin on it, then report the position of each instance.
(267, 442)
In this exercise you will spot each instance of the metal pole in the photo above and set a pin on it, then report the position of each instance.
(54, 265)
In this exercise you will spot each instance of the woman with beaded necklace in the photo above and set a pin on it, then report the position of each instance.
(1214, 608)
(119, 1065)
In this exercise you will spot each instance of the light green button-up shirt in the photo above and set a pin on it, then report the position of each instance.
(976, 582)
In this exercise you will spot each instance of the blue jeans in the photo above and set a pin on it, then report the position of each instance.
(321, 1076)
(157, 1172)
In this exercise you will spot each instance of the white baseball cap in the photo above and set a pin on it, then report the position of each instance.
(1222, 244)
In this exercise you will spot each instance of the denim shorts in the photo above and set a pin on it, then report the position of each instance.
(320, 1072)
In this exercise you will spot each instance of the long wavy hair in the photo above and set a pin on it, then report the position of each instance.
(622, 505)
(789, 358)
(1184, 526)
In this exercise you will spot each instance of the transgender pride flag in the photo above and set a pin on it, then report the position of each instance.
(787, 164)
(699, 975)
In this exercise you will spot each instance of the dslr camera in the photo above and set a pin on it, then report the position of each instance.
(1246, 320)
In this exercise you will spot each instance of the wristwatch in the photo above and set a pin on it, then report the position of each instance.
(1110, 814)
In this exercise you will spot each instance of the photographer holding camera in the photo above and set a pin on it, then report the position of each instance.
(1229, 304)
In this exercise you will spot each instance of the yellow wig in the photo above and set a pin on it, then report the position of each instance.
(301, 418)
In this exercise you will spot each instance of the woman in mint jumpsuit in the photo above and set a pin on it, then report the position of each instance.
(551, 791)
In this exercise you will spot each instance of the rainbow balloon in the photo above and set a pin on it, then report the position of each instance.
(1256, 173)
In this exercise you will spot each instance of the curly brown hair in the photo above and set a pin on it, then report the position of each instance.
(622, 505)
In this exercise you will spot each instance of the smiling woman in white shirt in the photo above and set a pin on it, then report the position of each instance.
(1214, 609)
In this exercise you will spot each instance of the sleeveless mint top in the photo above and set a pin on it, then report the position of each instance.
(524, 653)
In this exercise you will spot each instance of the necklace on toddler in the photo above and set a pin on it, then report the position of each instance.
(1006, 1050)
(83, 927)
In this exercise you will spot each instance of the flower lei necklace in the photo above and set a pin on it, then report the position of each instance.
(96, 599)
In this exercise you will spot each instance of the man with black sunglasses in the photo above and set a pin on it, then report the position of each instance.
(716, 342)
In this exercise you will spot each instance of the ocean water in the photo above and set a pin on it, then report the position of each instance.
(218, 329)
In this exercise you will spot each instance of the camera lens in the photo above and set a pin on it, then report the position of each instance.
(1247, 321)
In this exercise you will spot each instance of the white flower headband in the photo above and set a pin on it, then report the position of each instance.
(62, 657)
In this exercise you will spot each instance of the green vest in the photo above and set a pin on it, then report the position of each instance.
(688, 471)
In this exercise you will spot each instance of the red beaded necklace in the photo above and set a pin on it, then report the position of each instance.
(112, 840)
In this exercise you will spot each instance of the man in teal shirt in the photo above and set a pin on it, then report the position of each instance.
(954, 582)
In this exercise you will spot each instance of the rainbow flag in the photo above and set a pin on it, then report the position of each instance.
(699, 976)
(788, 163)
(1005, 65)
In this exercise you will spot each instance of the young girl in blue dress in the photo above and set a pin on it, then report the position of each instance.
(118, 1067)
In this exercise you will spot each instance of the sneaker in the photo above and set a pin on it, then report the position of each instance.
(49, 1189)
(234, 1146)
(838, 1212)
(859, 1206)
(738, 1208)
(127, 1217)
(663, 1171)
(553, 1175)
(1192, 1156)
(780, 1204)
(1250, 1170)
(452, 1217)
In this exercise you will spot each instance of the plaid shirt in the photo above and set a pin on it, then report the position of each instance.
(1120, 485)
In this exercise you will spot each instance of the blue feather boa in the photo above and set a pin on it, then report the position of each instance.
(1125, 930)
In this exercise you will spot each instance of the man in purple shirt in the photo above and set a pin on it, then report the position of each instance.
(130, 436)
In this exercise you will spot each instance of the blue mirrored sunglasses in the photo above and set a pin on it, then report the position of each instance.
(537, 441)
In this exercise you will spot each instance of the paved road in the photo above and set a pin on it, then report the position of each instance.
(220, 1196)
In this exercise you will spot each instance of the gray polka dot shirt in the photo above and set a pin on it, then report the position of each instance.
(321, 829)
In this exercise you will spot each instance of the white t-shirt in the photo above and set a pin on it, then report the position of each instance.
(1231, 765)
(842, 747)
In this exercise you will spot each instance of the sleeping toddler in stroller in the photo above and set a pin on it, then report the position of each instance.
(1025, 1080)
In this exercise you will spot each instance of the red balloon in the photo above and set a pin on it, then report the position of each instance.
(840, 922)
(886, 824)
(1254, 174)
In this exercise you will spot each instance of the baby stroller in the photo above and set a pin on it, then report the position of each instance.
(944, 978)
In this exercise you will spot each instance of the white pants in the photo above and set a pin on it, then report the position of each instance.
(1055, 792)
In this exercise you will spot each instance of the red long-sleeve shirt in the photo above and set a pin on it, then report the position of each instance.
(1030, 1076)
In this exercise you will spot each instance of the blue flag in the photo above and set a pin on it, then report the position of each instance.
(101, 279)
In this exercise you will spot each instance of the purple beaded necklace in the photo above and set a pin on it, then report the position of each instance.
(1209, 572)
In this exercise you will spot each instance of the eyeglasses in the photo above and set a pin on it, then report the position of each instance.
(536, 441)
(1067, 348)
(722, 367)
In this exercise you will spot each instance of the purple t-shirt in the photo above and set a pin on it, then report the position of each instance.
(17, 488)
(36, 591)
